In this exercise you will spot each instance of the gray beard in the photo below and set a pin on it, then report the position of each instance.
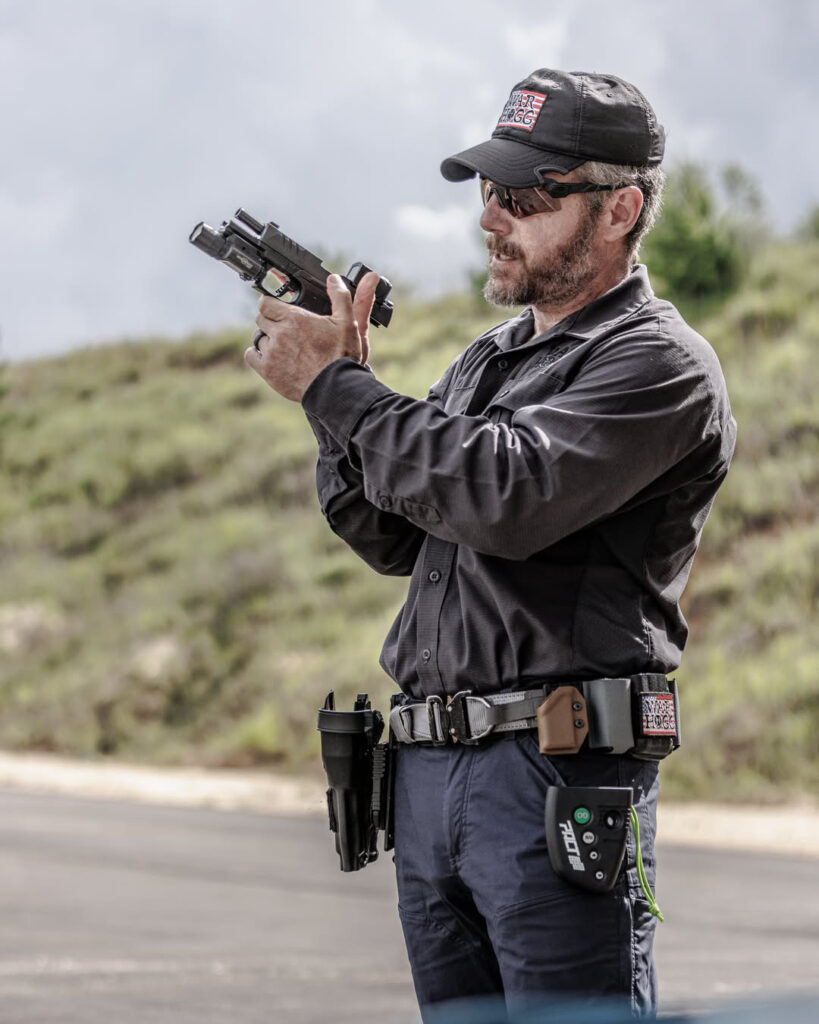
(553, 282)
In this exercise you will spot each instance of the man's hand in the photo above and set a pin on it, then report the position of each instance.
(298, 344)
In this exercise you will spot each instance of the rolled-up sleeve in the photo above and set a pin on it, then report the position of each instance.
(512, 484)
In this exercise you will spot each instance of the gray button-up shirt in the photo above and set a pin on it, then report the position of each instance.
(547, 497)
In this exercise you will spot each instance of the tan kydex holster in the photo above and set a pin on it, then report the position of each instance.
(562, 721)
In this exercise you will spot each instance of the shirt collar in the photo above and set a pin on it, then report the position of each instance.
(618, 303)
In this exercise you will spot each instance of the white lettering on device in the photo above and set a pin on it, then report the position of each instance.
(572, 848)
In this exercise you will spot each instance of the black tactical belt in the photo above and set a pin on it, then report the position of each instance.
(637, 715)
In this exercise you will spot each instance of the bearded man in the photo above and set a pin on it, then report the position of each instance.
(547, 500)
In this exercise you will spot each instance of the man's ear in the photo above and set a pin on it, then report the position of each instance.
(622, 212)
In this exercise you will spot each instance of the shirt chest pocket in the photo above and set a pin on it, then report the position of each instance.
(458, 399)
(532, 386)
(533, 389)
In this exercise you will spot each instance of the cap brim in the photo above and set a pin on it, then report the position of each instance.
(507, 162)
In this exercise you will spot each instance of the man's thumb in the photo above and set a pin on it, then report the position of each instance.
(364, 300)
(341, 302)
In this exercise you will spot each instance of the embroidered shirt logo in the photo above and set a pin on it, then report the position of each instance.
(521, 110)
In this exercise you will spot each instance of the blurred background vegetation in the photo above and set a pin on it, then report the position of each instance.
(169, 590)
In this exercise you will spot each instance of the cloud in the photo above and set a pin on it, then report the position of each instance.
(125, 124)
(432, 247)
(537, 45)
(452, 224)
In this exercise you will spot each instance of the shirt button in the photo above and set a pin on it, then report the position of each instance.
(426, 654)
(434, 576)
(384, 501)
(502, 364)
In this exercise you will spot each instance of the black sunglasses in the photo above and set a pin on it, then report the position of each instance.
(525, 202)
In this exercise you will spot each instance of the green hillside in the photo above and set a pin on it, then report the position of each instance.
(169, 590)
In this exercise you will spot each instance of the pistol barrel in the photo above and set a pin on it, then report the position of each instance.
(248, 221)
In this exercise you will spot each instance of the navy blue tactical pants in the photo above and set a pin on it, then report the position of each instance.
(482, 911)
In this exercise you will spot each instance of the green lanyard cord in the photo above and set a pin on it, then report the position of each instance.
(653, 906)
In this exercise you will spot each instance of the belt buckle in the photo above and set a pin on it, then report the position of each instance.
(459, 729)
(438, 732)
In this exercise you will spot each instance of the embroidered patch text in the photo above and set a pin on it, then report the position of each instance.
(521, 110)
(658, 714)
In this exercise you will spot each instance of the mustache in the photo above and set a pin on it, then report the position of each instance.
(502, 248)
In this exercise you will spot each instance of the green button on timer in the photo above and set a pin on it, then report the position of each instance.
(582, 815)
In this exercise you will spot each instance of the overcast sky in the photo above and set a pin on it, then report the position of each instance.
(125, 123)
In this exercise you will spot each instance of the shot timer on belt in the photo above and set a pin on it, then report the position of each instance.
(586, 831)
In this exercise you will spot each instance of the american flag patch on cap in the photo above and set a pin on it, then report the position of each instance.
(521, 110)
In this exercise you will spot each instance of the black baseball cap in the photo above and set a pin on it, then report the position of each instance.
(557, 120)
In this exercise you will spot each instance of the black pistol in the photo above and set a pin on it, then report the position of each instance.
(278, 266)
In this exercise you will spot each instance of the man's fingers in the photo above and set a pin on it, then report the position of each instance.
(267, 325)
(274, 309)
(262, 345)
(253, 357)
(363, 301)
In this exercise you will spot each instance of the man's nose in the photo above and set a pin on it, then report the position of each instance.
(495, 219)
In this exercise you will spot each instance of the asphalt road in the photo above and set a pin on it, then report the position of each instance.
(132, 913)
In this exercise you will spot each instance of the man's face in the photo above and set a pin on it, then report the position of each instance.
(544, 260)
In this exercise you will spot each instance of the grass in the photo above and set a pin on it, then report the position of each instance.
(169, 590)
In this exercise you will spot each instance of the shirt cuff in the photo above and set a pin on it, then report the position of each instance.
(340, 395)
(326, 442)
